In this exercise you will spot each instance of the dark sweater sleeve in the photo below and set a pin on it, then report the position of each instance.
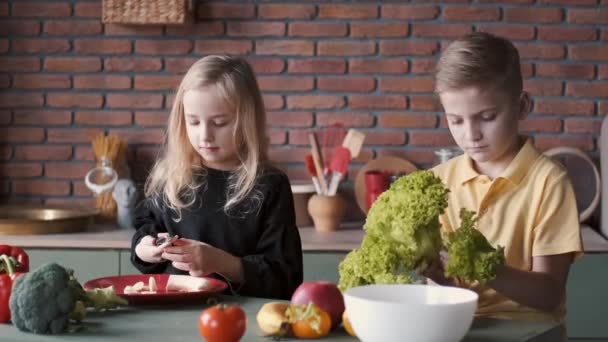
(275, 270)
(147, 221)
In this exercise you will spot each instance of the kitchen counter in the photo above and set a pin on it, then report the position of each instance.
(174, 323)
(346, 238)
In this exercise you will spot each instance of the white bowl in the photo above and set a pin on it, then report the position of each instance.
(426, 313)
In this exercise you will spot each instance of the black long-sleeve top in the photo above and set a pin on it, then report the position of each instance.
(265, 237)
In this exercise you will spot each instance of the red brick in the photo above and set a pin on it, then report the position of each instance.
(19, 63)
(286, 11)
(178, 65)
(418, 156)
(42, 117)
(8, 100)
(377, 102)
(40, 45)
(561, 71)
(74, 100)
(273, 102)
(512, 32)
(533, 15)
(441, 30)
(603, 108)
(13, 27)
(20, 170)
(604, 34)
(590, 126)
(589, 53)
(206, 28)
(431, 138)
(315, 102)
(289, 119)
(588, 16)
(225, 10)
(316, 66)
(535, 124)
(593, 89)
(567, 33)
(423, 65)
(545, 142)
(346, 84)
(409, 12)
(21, 135)
(103, 46)
(72, 135)
(102, 82)
(602, 72)
(147, 153)
(72, 64)
(424, 102)
(84, 153)
(407, 120)
(300, 137)
(267, 65)
(350, 11)
(378, 30)
(41, 9)
(282, 83)
(163, 47)
(101, 118)
(136, 64)
(41, 187)
(132, 30)
(563, 107)
(148, 136)
(5, 81)
(87, 9)
(69, 27)
(157, 82)
(382, 137)
(543, 88)
(151, 118)
(403, 47)
(4, 9)
(287, 154)
(256, 28)
(570, 2)
(541, 51)
(41, 81)
(43, 152)
(67, 170)
(407, 85)
(169, 100)
(132, 101)
(285, 47)
(471, 13)
(317, 29)
(346, 48)
(527, 69)
(6, 152)
(232, 47)
(378, 66)
(346, 118)
(6, 117)
(277, 136)
(4, 45)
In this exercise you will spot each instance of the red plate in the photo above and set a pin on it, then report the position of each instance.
(161, 296)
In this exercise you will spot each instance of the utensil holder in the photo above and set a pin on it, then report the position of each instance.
(327, 212)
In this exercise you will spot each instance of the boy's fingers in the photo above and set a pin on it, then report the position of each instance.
(184, 266)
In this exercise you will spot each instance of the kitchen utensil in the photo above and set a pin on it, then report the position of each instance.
(376, 182)
(312, 171)
(316, 157)
(353, 142)
(388, 313)
(327, 212)
(331, 138)
(44, 219)
(389, 164)
(338, 168)
(102, 178)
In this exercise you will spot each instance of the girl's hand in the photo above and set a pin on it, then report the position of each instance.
(195, 257)
(147, 250)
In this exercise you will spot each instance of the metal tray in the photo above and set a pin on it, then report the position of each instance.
(44, 219)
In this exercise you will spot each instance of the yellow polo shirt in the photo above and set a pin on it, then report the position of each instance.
(530, 209)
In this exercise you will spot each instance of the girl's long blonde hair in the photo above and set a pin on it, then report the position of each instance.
(173, 176)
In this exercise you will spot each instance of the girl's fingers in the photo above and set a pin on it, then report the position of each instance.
(176, 257)
(184, 266)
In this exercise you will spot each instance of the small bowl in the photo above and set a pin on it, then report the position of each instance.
(386, 313)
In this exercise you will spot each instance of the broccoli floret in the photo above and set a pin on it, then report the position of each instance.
(470, 255)
(44, 300)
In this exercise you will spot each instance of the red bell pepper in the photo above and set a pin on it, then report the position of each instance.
(6, 286)
(21, 257)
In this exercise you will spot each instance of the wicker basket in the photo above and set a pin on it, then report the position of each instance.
(147, 11)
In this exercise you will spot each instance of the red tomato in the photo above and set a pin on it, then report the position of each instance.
(222, 323)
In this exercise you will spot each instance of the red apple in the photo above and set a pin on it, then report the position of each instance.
(323, 294)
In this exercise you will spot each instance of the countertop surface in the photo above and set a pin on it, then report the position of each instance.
(179, 323)
(346, 238)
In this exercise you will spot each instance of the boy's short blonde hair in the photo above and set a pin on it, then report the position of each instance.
(479, 59)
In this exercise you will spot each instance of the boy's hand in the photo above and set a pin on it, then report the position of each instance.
(147, 250)
(196, 257)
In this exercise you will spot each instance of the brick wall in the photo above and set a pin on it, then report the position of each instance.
(65, 76)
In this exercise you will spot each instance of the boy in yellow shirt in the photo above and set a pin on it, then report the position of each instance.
(525, 201)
